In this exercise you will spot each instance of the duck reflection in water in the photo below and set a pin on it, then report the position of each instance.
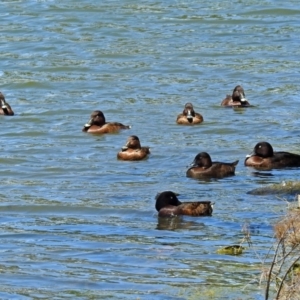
(177, 223)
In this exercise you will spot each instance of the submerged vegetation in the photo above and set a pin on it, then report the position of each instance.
(231, 250)
(285, 187)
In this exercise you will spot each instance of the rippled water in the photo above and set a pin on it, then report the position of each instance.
(77, 223)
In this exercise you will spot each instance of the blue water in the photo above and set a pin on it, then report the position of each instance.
(76, 223)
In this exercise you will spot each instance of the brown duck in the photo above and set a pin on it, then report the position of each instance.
(189, 116)
(203, 167)
(5, 108)
(238, 98)
(168, 205)
(133, 150)
(264, 157)
(98, 124)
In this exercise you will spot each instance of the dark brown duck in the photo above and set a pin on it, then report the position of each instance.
(203, 167)
(264, 157)
(168, 205)
(238, 98)
(5, 108)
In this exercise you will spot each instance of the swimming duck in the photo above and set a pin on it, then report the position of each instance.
(264, 157)
(132, 150)
(238, 98)
(202, 166)
(168, 205)
(189, 116)
(5, 108)
(98, 124)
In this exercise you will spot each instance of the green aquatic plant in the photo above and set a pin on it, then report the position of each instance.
(231, 250)
(206, 291)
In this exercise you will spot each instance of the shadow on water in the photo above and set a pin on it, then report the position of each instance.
(262, 174)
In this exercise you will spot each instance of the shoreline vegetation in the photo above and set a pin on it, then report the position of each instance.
(280, 274)
(281, 277)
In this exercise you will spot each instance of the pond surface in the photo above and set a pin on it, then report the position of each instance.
(76, 223)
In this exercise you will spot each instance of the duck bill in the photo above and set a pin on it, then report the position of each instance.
(126, 146)
(189, 116)
(193, 164)
(3, 104)
(251, 154)
(89, 123)
(243, 99)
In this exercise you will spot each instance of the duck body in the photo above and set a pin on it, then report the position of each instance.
(264, 157)
(203, 167)
(168, 205)
(133, 150)
(189, 116)
(237, 99)
(98, 124)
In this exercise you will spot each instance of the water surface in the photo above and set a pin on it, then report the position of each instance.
(77, 223)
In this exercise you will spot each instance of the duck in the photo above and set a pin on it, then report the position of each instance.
(98, 124)
(237, 99)
(133, 150)
(264, 157)
(168, 205)
(203, 167)
(5, 108)
(189, 116)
